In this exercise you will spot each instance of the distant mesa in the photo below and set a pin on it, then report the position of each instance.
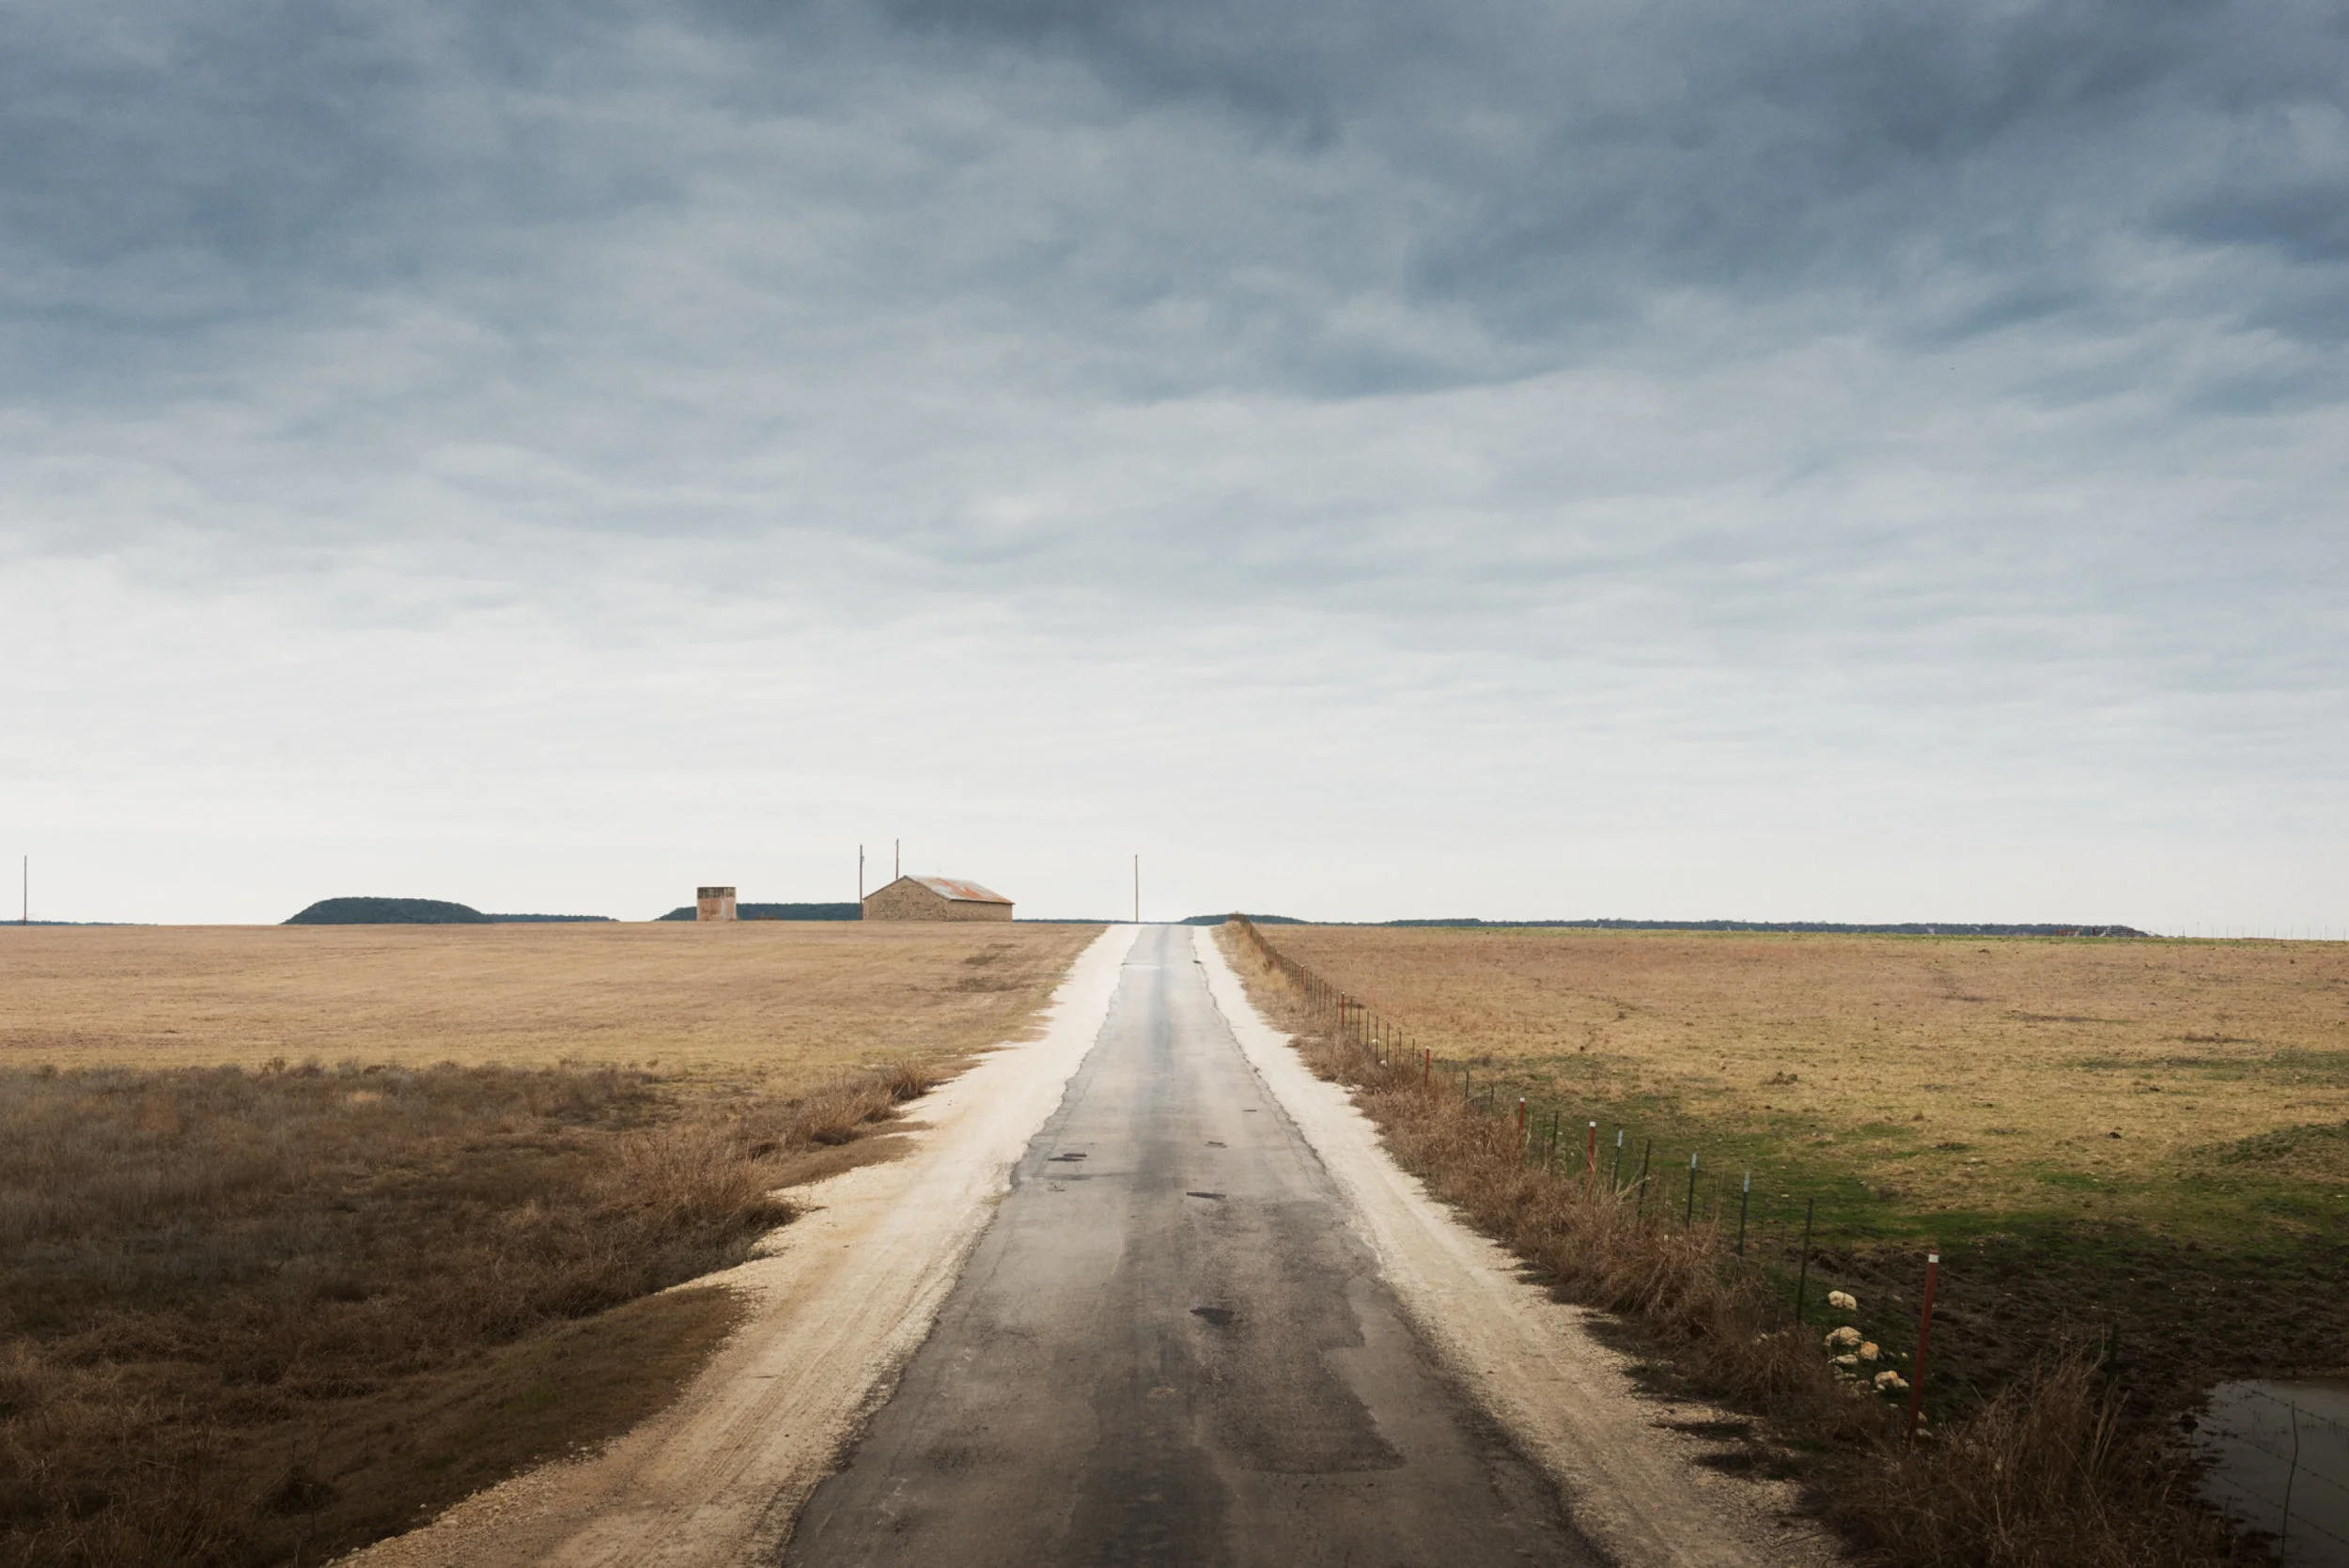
(388, 911)
(415, 911)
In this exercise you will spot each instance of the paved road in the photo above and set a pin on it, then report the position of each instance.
(1171, 1348)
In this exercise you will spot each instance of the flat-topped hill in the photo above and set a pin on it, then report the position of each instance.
(415, 911)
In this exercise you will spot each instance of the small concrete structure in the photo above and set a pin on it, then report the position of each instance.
(935, 898)
(713, 904)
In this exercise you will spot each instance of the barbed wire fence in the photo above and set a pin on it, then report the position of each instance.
(1763, 1225)
(2298, 1489)
(2301, 1497)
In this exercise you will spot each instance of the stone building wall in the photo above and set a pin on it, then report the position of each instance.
(907, 899)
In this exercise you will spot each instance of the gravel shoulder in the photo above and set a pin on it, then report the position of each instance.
(1636, 1487)
(845, 1296)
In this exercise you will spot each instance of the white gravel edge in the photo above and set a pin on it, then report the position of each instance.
(1633, 1485)
(839, 1303)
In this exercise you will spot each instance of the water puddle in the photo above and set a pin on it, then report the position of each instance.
(2279, 1462)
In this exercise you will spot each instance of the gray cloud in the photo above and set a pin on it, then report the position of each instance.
(1773, 422)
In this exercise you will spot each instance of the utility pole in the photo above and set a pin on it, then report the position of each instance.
(896, 858)
(860, 876)
(1137, 889)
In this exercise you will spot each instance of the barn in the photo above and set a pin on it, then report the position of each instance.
(935, 898)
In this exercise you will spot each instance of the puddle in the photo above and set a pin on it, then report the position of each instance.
(2279, 1462)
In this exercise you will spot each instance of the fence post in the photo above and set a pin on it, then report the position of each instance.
(1614, 1177)
(1802, 1276)
(1745, 1196)
(1426, 1068)
(1689, 1220)
(1590, 1166)
(1924, 1334)
(1520, 1129)
(1645, 1154)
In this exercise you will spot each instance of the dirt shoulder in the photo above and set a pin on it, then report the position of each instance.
(831, 1314)
(1632, 1470)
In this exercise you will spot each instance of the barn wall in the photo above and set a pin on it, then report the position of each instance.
(912, 901)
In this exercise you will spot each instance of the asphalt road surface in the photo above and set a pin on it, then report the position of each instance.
(1170, 1348)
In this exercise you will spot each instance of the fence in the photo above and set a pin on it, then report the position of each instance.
(2280, 1460)
(1773, 1231)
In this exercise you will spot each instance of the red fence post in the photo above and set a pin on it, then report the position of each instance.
(1924, 1334)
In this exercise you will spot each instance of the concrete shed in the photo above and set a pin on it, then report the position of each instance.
(935, 898)
(713, 903)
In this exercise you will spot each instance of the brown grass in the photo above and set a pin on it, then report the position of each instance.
(258, 1316)
(776, 1001)
(1968, 1074)
(2044, 1475)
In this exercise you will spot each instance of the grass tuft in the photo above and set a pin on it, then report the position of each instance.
(2045, 1475)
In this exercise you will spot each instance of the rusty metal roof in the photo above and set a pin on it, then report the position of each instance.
(959, 890)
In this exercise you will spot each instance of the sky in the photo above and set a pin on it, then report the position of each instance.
(1667, 459)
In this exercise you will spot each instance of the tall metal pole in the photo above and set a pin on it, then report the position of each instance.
(896, 858)
(859, 877)
(1137, 889)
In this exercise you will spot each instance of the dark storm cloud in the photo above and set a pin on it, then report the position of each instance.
(1513, 181)
(1579, 155)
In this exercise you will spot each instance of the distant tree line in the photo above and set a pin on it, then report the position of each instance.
(1907, 928)
(779, 911)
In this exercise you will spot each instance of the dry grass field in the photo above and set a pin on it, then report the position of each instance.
(2061, 1458)
(2140, 1142)
(767, 1001)
(1958, 1075)
(304, 1233)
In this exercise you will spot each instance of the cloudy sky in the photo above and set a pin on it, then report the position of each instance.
(1661, 457)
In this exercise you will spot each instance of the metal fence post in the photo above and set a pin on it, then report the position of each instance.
(1924, 1334)
(1802, 1277)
